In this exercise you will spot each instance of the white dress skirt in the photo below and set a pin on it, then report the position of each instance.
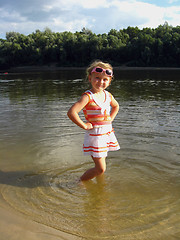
(99, 140)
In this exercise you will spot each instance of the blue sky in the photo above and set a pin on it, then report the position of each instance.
(100, 16)
(163, 3)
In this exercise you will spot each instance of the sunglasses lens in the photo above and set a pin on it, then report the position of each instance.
(108, 72)
(99, 69)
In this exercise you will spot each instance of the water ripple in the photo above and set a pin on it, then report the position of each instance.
(127, 203)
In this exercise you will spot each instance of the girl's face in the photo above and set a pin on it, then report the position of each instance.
(99, 81)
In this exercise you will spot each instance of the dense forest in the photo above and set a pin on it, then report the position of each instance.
(159, 47)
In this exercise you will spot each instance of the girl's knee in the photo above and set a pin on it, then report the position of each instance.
(100, 165)
(101, 170)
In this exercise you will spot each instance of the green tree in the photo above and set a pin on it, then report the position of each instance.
(131, 46)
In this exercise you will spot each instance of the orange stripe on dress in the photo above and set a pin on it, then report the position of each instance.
(91, 150)
(94, 107)
(115, 144)
(94, 147)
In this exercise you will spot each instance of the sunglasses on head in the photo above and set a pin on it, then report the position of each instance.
(100, 70)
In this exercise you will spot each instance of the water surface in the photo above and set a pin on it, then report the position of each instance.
(41, 156)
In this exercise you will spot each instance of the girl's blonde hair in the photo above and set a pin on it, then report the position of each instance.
(98, 63)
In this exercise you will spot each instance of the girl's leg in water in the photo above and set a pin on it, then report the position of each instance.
(100, 168)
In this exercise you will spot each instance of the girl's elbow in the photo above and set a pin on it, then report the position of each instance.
(116, 107)
(69, 113)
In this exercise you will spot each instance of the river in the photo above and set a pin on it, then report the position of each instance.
(41, 156)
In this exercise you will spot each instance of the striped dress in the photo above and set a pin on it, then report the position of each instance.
(101, 139)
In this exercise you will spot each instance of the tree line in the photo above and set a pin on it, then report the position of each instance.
(154, 47)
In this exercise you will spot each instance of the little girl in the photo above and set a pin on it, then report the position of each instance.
(99, 135)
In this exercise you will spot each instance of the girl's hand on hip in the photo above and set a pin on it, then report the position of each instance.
(88, 126)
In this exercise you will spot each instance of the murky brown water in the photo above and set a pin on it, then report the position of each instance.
(41, 157)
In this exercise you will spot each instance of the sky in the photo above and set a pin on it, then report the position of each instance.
(99, 16)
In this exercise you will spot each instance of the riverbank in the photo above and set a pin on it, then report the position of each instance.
(14, 226)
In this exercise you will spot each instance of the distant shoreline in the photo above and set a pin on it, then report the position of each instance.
(26, 69)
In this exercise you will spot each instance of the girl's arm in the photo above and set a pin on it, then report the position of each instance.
(115, 108)
(75, 109)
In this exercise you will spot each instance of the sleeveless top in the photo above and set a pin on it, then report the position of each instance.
(97, 112)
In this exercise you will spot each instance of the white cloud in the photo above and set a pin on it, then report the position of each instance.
(93, 4)
(72, 15)
(145, 14)
(78, 24)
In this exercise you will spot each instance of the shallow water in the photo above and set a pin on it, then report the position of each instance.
(41, 158)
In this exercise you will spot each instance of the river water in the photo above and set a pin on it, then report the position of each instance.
(41, 156)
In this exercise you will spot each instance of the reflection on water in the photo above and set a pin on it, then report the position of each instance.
(41, 158)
